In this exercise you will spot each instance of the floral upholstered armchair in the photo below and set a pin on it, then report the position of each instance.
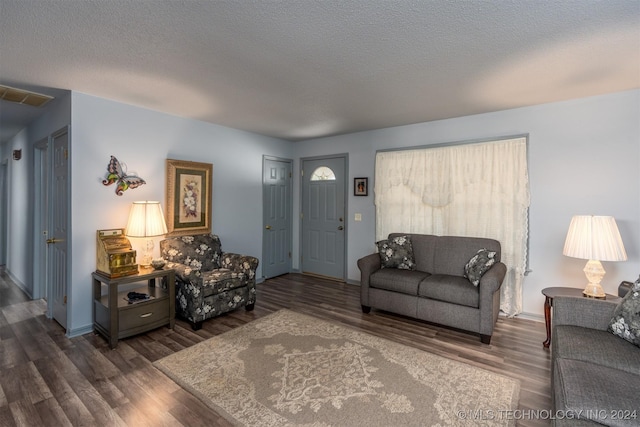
(209, 282)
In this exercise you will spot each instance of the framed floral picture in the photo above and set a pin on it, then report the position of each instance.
(188, 204)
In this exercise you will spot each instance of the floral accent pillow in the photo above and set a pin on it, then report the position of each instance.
(479, 264)
(626, 318)
(397, 253)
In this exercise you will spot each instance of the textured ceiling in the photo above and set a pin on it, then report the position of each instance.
(301, 69)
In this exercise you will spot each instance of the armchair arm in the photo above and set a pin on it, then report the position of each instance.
(185, 273)
(243, 263)
(585, 312)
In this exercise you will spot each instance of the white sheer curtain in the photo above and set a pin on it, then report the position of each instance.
(479, 190)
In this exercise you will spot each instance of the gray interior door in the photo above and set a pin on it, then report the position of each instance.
(276, 238)
(323, 217)
(57, 241)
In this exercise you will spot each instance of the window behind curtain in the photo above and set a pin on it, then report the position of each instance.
(475, 189)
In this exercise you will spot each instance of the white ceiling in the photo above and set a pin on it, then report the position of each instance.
(301, 69)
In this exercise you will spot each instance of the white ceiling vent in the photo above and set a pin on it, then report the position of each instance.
(20, 96)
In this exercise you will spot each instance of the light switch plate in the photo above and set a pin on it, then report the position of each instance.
(357, 217)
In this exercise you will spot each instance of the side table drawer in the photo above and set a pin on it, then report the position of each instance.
(143, 317)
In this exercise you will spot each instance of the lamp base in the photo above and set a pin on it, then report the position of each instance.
(594, 272)
(148, 254)
(590, 294)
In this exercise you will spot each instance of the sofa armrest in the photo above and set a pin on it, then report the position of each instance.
(492, 279)
(368, 265)
(585, 312)
(242, 263)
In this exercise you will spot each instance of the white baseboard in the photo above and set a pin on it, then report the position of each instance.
(19, 284)
(528, 316)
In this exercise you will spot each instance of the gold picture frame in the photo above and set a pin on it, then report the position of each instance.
(189, 191)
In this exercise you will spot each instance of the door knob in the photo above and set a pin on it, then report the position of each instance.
(54, 240)
(341, 228)
(268, 227)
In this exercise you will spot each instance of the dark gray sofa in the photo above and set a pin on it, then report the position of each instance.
(436, 290)
(595, 377)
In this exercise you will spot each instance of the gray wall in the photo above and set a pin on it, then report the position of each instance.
(583, 159)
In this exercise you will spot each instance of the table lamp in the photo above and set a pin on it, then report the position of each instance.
(595, 238)
(146, 220)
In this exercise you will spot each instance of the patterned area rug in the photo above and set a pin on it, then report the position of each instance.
(289, 369)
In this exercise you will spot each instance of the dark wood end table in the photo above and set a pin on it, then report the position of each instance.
(115, 318)
(551, 293)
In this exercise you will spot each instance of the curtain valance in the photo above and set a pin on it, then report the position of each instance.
(436, 175)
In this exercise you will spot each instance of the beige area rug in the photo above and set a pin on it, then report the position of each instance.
(289, 369)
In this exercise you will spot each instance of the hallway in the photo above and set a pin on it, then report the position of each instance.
(9, 293)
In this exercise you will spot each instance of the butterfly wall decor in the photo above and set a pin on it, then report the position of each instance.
(120, 177)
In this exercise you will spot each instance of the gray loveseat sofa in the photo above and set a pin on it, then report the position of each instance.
(433, 287)
(595, 377)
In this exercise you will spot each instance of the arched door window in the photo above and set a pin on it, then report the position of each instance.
(323, 173)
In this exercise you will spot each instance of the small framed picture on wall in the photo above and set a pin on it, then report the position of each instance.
(360, 186)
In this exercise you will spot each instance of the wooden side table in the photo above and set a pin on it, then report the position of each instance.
(550, 294)
(115, 318)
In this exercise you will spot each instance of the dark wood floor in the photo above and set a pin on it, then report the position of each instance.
(47, 379)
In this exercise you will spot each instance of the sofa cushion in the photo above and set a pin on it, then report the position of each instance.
(396, 252)
(451, 253)
(626, 318)
(479, 264)
(600, 394)
(599, 347)
(453, 289)
(403, 281)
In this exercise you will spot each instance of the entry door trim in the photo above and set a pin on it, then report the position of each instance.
(344, 156)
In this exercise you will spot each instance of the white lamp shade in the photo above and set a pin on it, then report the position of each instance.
(594, 238)
(146, 220)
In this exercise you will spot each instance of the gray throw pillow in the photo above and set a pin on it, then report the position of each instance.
(479, 264)
(626, 318)
(397, 253)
